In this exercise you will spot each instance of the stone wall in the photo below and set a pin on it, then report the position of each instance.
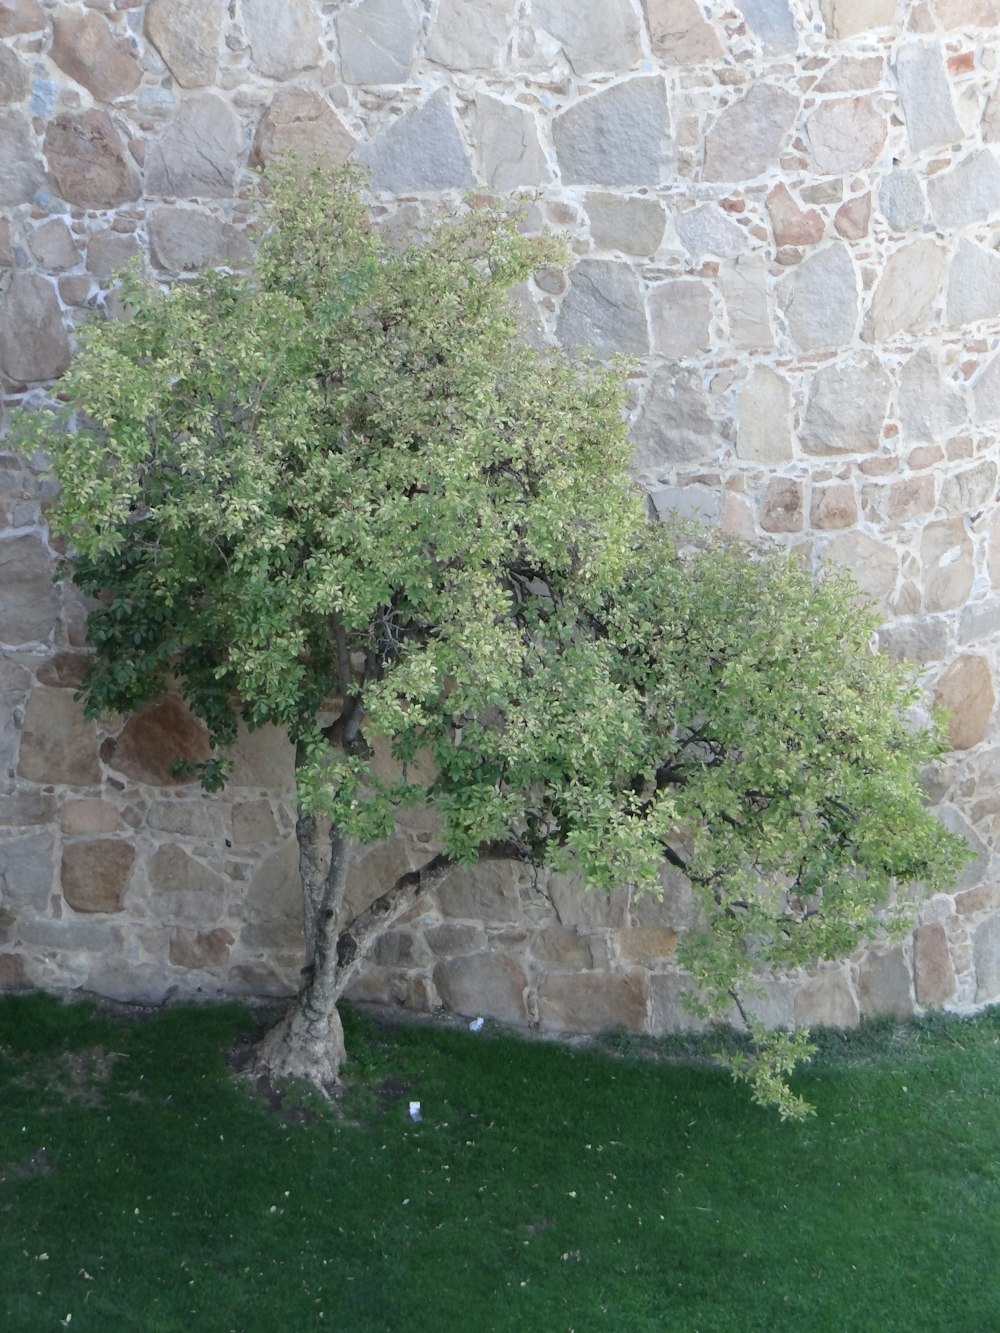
(787, 211)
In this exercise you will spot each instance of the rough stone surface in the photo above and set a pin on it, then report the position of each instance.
(933, 974)
(26, 869)
(833, 507)
(199, 949)
(593, 1003)
(908, 291)
(745, 291)
(986, 953)
(198, 156)
(901, 200)
(885, 985)
(852, 219)
(781, 510)
(965, 692)
(847, 407)
(154, 740)
(765, 428)
(793, 225)
(667, 992)
(303, 123)
(109, 251)
(925, 96)
(17, 16)
(604, 309)
(946, 555)
(488, 890)
(33, 341)
(873, 564)
(827, 1000)
(633, 226)
(183, 241)
(772, 23)
(820, 299)
(748, 137)
(376, 41)
(846, 135)
(614, 137)
(678, 32)
(58, 744)
(675, 425)
(680, 315)
(84, 47)
(283, 38)
(705, 230)
(471, 34)
(969, 193)
(973, 284)
(52, 245)
(89, 160)
(593, 34)
(95, 874)
(187, 33)
(29, 602)
(483, 985)
(15, 80)
(423, 150)
(929, 407)
(508, 144)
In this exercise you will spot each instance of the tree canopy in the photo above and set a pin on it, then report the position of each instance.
(344, 486)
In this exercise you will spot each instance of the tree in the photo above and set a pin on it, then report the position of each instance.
(344, 487)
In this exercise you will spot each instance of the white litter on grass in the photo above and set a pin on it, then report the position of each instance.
(477, 1025)
(415, 1111)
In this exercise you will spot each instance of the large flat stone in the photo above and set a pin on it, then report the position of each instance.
(847, 408)
(487, 891)
(483, 986)
(53, 246)
(29, 601)
(154, 740)
(376, 41)
(593, 1002)
(929, 406)
(421, 150)
(764, 430)
(908, 292)
(669, 1013)
(745, 292)
(827, 1000)
(971, 490)
(772, 23)
(986, 955)
(845, 135)
(183, 888)
(947, 558)
(965, 692)
(873, 564)
(968, 193)
(680, 313)
(84, 47)
(199, 153)
(901, 199)
(885, 985)
(187, 33)
(471, 34)
(185, 240)
(26, 871)
(748, 137)
(679, 33)
(284, 38)
(510, 152)
(95, 874)
(819, 299)
(15, 78)
(275, 891)
(304, 123)
(58, 744)
(34, 344)
(675, 425)
(21, 172)
(604, 309)
(614, 137)
(925, 96)
(89, 160)
(17, 16)
(595, 35)
(632, 226)
(706, 231)
(973, 284)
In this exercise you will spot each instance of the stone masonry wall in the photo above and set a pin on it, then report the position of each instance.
(787, 211)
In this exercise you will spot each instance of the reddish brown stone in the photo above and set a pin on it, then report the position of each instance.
(153, 741)
(912, 496)
(65, 670)
(965, 692)
(301, 122)
(833, 507)
(793, 225)
(851, 219)
(13, 973)
(89, 161)
(95, 874)
(646, 944)
(933, 975)
(20, 16)
(90, 815)
(782, 510)
(593, 1002)
(984, 897)
(84, 48)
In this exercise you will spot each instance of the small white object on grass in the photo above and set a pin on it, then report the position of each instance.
(415, 1110)
(477, 1025)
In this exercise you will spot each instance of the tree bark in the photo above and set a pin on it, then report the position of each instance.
(308, 1042)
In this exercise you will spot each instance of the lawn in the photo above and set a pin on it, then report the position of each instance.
(545, 1188)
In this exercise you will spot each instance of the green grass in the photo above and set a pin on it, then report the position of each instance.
(546, 1188)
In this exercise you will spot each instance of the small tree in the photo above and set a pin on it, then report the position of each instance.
(343, 487)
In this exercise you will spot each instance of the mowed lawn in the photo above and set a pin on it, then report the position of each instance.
(546, 1188)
